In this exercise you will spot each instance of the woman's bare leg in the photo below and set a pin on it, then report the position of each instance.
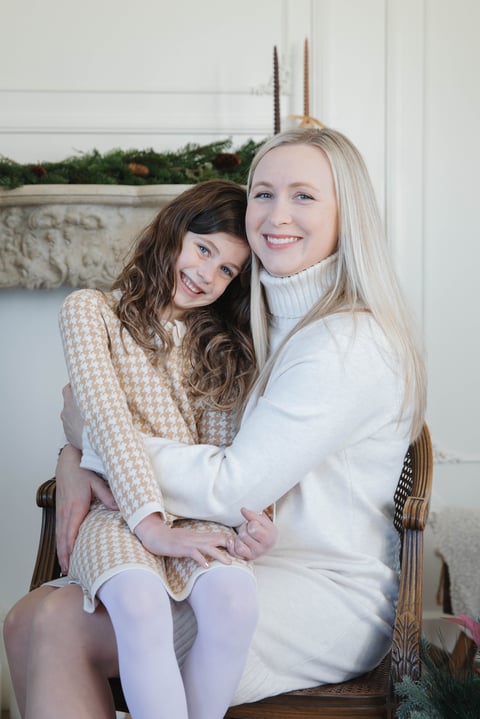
(17, 633)
(66, 659)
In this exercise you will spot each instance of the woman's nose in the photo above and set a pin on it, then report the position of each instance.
(280, 213)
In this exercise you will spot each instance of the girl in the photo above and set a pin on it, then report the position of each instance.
(167, 352)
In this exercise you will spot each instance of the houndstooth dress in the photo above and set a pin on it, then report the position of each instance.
(121, 395)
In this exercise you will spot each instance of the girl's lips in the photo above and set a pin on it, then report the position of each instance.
(190, 285)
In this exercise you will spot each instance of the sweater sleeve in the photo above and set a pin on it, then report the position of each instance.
(104, 407)
(333, 386)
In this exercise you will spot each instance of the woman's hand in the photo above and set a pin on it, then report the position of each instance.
(255, 536)
(71, 418)
(76, 488)
(162, 540)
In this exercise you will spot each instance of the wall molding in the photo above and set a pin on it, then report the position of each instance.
(442, 456)
(216, 113)
(405, 140)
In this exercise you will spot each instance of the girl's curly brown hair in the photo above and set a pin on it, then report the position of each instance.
(217, 344)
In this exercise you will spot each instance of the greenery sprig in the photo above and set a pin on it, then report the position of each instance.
(443, 692)
(189, 165)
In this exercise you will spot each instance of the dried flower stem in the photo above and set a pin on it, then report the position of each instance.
(306, 81)
(276, 94)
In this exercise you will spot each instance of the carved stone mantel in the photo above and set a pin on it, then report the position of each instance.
(72, 235)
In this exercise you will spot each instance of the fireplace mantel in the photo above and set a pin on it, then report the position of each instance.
(72, 235)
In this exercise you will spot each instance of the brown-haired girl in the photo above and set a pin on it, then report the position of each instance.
(167, 352)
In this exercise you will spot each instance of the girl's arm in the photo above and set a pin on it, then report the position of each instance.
(84, 321)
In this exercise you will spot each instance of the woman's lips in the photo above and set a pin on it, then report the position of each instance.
(280, 240)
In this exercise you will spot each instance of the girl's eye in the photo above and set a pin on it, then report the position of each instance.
(227, 271)
(203, 250)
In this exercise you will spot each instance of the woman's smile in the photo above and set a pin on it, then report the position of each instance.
(280, 241)
(292, 209)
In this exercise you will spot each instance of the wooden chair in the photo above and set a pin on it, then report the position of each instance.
(371, 695)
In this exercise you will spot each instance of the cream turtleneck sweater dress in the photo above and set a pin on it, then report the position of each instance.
(326, 442)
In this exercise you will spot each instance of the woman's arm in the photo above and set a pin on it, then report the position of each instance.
(332, 387)
(76, 487)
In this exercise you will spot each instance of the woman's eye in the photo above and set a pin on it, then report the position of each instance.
(304, 196)
(263, 195)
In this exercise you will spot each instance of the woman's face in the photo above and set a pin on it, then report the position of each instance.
(292, 214)
(204, 269)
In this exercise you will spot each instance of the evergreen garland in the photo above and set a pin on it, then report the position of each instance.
(187, 166)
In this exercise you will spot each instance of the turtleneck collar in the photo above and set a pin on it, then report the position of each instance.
(292, 297)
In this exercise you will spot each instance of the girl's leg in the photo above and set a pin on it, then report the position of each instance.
(225, 604)
(69, 657)
(139, 608)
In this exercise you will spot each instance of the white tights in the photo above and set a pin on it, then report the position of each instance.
(224, 601)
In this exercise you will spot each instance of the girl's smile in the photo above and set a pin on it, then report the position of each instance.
(204, 269)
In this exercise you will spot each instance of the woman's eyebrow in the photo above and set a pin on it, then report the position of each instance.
(293, 185)
(262, 183)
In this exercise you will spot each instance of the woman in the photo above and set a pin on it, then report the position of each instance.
(340, 395)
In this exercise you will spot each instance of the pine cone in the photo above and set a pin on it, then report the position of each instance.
(138, 169)
(226, 161)
(39, 170)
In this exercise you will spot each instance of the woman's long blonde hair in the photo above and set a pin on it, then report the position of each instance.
(365, 277)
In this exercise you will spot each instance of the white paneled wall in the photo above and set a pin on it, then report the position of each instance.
(398, 76)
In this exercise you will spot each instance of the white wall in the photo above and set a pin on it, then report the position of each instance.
(398, 76)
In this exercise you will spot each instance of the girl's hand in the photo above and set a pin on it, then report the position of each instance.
(162, 540)
(255, 536)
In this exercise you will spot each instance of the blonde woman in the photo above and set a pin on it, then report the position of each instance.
(340, 396)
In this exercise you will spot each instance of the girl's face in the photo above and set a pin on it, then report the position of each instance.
(292, 214)
(205, 267)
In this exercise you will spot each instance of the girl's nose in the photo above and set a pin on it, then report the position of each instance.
(205, 272)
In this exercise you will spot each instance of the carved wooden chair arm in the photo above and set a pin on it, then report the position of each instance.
(408, 626)
(46, 565)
